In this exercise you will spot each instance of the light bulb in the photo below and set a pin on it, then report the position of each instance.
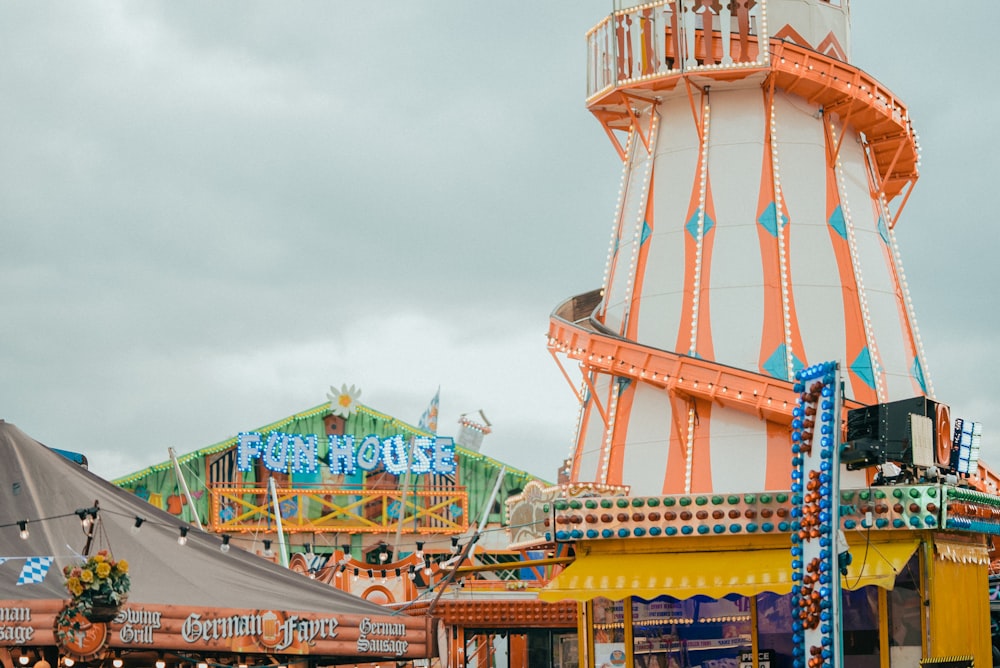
(23, 526)
(137, 526)
(225, 543)
(183, 538)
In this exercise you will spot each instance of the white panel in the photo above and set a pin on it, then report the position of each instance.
(676, 164)
(853, 479)
(880, 289)
(739, 451)
(648, 441)
(819, 302)
(737, 282)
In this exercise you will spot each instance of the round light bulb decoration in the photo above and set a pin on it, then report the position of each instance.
(816, 518)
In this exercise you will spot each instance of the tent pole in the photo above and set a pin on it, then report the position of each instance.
(402, 500)
(277, 518)
(184, 486)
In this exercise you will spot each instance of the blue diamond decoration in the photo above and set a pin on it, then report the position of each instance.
(692, 225)
(863, 368)
(776, 363)
(646, 231)
(918, 373)
(837, 222)
(883, 230)
(769, 220)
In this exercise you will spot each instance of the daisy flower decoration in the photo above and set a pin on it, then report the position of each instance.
(344, 401)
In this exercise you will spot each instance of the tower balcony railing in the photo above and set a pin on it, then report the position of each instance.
(344, 508)
(671, 37)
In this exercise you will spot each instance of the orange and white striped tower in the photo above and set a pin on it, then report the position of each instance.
(754, 235)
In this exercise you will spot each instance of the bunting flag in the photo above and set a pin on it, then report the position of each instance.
(34, 570)
(429, 420)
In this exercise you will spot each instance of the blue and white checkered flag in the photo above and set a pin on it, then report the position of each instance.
(34, 570)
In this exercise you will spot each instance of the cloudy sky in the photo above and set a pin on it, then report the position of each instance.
(210, 212)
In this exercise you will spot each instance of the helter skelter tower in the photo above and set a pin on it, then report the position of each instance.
(754, 235)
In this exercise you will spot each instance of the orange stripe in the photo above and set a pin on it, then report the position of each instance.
(616, 458)
(673, 478)
(773, 334)
(795, 333)
(778, 474)
(690, 251)
(856, 339)
(632, 326)
(705, 348)
(701, 469)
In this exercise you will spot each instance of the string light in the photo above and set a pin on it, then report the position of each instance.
(87, 517)
(183, 538)
(225, 543)
(22, 525)
(268, 552)
(137, 526)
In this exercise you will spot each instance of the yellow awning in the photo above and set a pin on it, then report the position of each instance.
(713, 573)
(877, 563)
(678, 574)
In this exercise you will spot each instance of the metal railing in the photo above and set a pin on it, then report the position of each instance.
(670, 37)
(327, 509)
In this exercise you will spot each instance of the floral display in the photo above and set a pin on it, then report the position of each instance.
(100, 582)
(343, 402)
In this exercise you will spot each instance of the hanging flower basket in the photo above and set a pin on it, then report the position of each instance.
(104, 609)
(99, 586)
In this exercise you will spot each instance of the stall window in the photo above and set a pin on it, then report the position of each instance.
(774, 627)
(695, 631)
(609, 632)
(861, 627)
(905, 614)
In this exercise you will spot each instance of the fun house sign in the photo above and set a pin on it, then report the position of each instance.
(299, 453)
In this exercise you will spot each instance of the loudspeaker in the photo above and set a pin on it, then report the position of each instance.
(909, 431)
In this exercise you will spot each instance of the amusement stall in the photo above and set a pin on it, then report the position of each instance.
(735, 498)
(90, 573)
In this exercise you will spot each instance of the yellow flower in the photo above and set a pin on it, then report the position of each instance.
(103, 570)
(87, 576)
(74, 586)
(98, 558)
(122, 566)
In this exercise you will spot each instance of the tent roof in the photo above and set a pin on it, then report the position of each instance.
(38, 485)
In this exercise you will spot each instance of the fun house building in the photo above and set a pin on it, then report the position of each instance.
(391, 512)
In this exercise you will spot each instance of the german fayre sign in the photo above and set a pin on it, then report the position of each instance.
(220, 630)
